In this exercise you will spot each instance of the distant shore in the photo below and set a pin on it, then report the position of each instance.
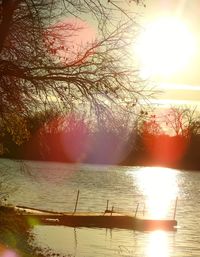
(142, 164)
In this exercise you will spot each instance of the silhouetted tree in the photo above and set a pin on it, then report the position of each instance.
(34, 73)
(181, 120)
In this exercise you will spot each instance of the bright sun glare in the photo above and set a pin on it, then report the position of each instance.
(159, 185)
(158, 245)
(165, 47)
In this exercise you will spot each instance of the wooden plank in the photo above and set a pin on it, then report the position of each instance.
(88, 219)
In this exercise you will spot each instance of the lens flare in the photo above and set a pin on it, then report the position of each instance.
(6, 252)
(108, 148)
(32, 221)
(163, 149)
(70, 41)
(75, 139)
(64, 139)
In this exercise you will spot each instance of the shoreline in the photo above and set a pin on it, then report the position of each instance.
(123, 164)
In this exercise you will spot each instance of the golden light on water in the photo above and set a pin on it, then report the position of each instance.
(165, 47)
(158, 245)
(160, 189)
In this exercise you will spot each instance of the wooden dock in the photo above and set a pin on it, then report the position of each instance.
(84, 219)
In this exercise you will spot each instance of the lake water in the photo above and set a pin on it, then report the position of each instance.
(54, 186)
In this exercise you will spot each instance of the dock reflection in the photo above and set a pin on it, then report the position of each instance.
(103, 242)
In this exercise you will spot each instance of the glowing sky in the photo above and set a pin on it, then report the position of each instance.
(183, 85)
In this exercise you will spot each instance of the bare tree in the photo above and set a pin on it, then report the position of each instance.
(101, 73)
(182, 121)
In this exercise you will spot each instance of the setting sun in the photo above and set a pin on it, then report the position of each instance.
(165, 47)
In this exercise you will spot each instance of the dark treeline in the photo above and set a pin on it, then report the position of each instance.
(165, 150)
(50, 136)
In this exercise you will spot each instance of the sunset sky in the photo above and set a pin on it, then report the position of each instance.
(180, 45)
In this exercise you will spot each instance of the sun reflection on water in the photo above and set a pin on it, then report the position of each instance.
(159, 186)
(158, 245)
